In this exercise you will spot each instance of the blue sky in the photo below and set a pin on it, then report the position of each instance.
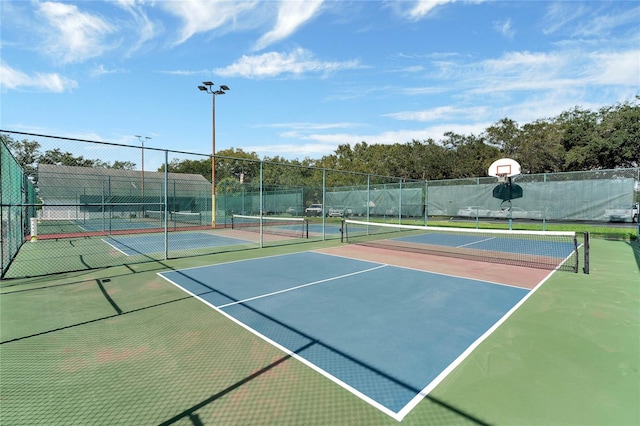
(307, 76)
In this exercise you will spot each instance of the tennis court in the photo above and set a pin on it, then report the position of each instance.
(386, 333)
(291, 326)
(155, 243)
(123, 345)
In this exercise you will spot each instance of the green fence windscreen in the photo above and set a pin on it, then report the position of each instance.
(15, 213)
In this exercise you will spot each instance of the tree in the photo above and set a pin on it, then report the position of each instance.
(25, 152)
(197, 167)
(540, 148)
(471, 156)
(504, 135)
(123, 165)
(238, 164)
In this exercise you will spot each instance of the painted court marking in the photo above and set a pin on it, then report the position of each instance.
(389, 338)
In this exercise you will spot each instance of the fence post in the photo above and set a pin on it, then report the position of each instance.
(166, 204)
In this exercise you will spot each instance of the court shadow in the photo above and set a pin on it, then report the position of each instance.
(384, 388)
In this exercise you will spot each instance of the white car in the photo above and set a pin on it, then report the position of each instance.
(292, 211)
(340, 211)
(473, 211)
(515, 213)
(314, 210)
(622, 215)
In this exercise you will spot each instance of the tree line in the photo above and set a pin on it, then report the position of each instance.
(27, 153)
(576, 140)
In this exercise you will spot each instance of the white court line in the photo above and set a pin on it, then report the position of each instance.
(435, 382)
(301, 286)
(399, 415)
(477, 242)
(480, 280)
(286, 350)
(108, 243)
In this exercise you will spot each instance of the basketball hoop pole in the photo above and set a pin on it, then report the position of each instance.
(504, 169)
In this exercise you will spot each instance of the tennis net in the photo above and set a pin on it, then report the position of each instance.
(534, 249)
(175, 218)
(294, 227)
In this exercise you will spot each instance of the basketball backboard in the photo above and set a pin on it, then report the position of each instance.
(504, 168)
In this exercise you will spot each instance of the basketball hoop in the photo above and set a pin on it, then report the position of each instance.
(504, 169)
(502, 177)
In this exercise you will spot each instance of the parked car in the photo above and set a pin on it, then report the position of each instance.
(293, 211)
(513, 213)
(622, 214)
(340, 211)
(314, 210)
(473, 211)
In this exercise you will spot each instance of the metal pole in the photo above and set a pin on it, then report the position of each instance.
(426, 202)
(207, 87)
(165, 207)
(213, 160)
(142, 139)
(261, 205)
(368, 197)
(400, 203)
(324, 201)
(142, 176)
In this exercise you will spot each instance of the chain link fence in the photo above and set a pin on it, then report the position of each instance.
(17, 207)
(587, 196)
(98, 204)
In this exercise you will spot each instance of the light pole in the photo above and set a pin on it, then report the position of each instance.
(142, 139)
(208, 88)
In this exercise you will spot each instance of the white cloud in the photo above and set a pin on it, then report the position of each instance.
(312, 126)
(422, 8)
(51, 82)
(315, 145)
(439, 113)
(561, 14)
(615, 68)
(75, 36)
(291, 15)
(100, 70)
(504, 28)
(187, 72)
(559, 70)
(205, 15)
(142, 25)
(271, 64)
(602, 24)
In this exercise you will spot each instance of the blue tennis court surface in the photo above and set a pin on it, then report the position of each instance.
(316, 228)
(507, 245)
(383, 332)
(98, 225)
(154, 243)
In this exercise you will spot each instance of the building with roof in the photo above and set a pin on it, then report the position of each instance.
(69, 192)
